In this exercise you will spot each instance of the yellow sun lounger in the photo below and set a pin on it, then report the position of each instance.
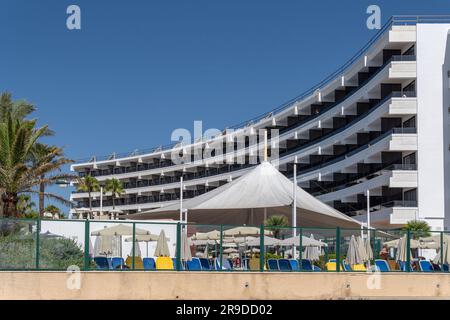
(331, 266)
(359, 267)
(137, 262)
(164, 263)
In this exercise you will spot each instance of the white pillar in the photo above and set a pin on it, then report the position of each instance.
(181, 199)
(101, 200)
(265, 145)
(294, 202)
(368, 209)
(294, 208)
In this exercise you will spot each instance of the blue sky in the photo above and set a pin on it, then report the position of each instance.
(140, 69)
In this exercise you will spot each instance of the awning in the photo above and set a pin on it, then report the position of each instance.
(244, 201)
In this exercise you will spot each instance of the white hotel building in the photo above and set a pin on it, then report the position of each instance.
(380, 123)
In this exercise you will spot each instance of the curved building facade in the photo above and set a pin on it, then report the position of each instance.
(379, 124)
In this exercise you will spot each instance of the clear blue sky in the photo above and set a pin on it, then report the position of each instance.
(139, 69)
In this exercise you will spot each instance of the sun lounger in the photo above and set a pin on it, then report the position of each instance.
(204, 263)
(306, 265)
(316, 268)
(445, 267)
(272, 265)
(359, 267)
(382, 265)
(426, 266)
(402, 265)
(284, 265)
(149, 264)
(137, 263)
(225, 265)
(164, 263)
(346, 266)
(194, 265)
(331, 265)
(230, 263)
(294, 264)
(102, 263)
(117, 263)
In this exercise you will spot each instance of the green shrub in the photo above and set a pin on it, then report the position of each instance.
(18, 251)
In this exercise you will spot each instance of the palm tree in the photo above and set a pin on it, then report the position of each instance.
(417, 229)
(115, 187)
(88, 184)
(17, 138)
(17, 109)
(276, 223)
(43, 154)
(18, 173)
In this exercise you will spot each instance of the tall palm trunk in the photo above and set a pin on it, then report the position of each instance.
(41, 197)
(90, 203)
(10, 201)
(114, 202)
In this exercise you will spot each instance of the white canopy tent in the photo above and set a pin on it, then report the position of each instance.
(246, 200)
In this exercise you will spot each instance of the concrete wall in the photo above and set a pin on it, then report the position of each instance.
(432, 104)
(217, 285)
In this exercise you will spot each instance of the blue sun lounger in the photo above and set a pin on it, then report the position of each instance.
(294, 264)
(284, 265)
(194, 265)
(117, 263)
(149, 264)
(306, 265)
(426, 266)
(346, 266)
(102, 263)
(382, 265)
(272, 265)
(205, 264)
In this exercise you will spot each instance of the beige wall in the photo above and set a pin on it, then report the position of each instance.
(217, 285)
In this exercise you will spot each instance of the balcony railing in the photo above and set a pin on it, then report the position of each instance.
(395, 94)
(394, 20)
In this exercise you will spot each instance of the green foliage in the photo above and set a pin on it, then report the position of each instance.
(275, 224)
(26, 207)
(417, 229)
(20, 172)
(18, 251)
(52, 209)
(273, 256)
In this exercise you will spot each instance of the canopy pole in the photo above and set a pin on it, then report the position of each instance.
(294, 209)
(265, 145)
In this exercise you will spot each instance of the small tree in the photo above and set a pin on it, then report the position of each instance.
(275, 223)
(26, 207)
(54, 210)
(417, 229)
